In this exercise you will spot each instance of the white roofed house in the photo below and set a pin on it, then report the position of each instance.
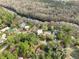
(27, 27)
(4, 29)
(20, 57)
(22, 25)
(3, 38)
(39, 31)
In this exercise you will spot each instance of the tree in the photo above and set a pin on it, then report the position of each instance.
(44, 26)
(23, 48)
(67, 40)
(6, 17)
(7, 55)
(60, 35)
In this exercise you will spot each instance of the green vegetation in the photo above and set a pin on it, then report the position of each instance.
(6, 17)
(27, 45)
(51, 44)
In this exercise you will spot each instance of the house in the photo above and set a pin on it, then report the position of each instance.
(3, 38)
(20, 57)
(22, 25)
(43, 42)
(47, 33)
(5, 29)
(72, 37)
(27, 27)
(39, 31)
